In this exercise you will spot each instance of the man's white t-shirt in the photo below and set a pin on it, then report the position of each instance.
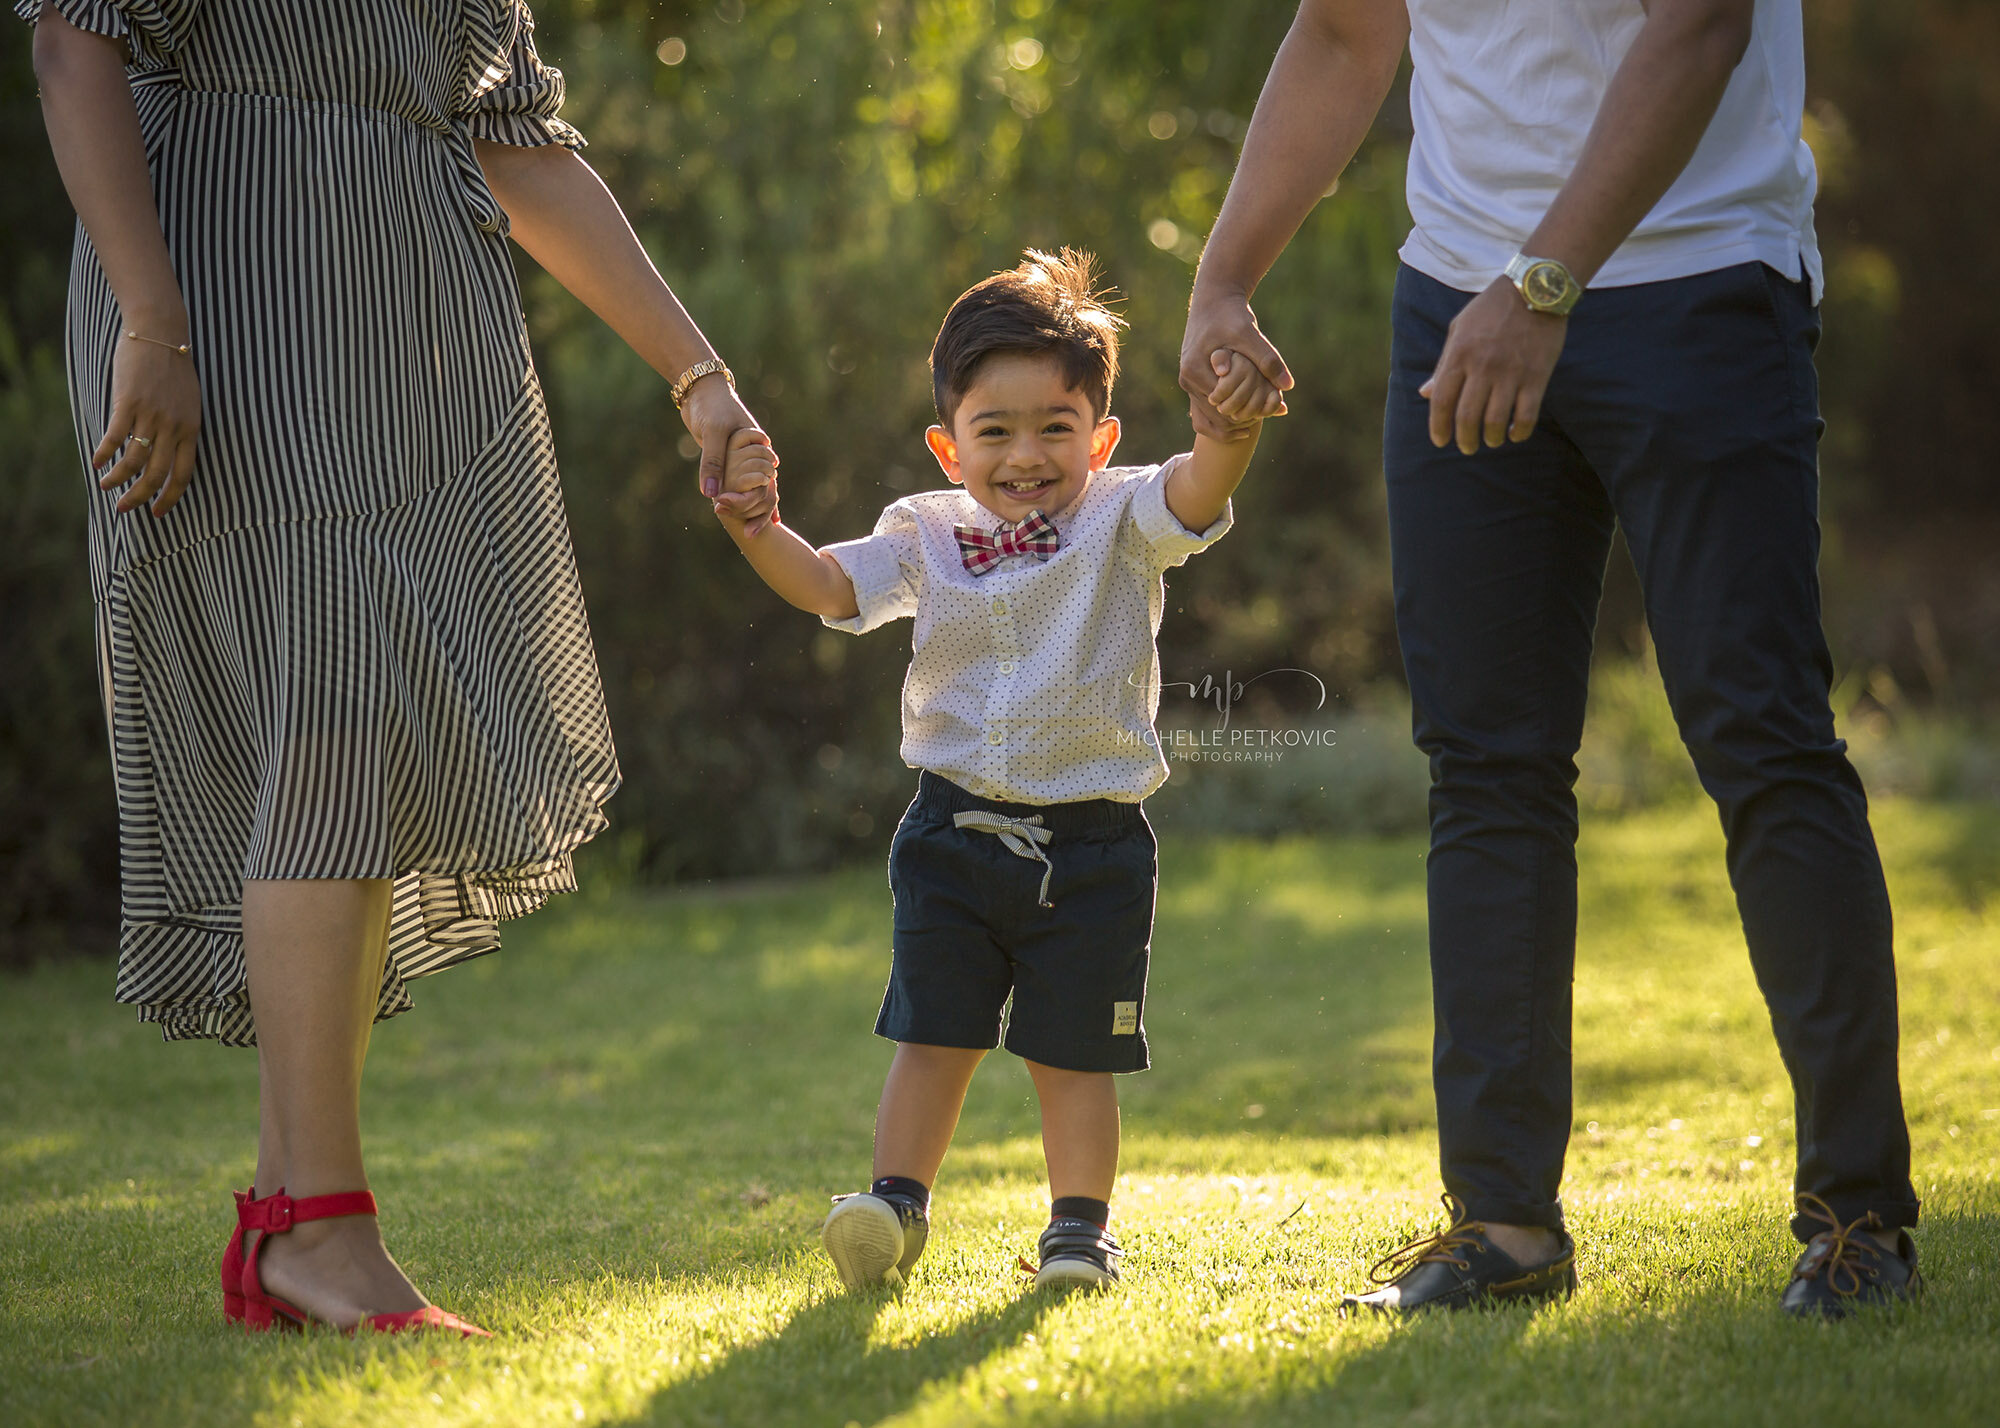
(1503, 95)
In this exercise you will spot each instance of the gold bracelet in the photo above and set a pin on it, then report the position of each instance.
(695, 373)
(180, 347)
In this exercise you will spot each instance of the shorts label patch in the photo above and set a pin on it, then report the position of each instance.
(1124, 1018)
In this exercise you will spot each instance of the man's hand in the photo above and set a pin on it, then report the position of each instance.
(1223, 322)
(748, 499)
(1493, 371)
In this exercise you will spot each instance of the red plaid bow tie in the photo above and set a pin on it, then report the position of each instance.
(984, 550)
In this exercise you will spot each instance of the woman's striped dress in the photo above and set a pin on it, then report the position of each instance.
(357, 647)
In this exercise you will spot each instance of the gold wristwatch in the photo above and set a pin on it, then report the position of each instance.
(707, 367)
(1545, 285)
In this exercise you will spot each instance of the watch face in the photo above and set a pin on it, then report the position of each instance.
(1544, 285)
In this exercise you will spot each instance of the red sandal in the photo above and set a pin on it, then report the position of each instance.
(276, 1214)
(232, 1258)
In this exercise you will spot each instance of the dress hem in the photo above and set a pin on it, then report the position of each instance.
(441, 921)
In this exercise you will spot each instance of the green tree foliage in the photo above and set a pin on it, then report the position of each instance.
(1904, 117)
(818, 180)
(58, 834)
(1905, 123)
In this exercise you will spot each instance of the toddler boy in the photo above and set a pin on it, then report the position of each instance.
(1025, 868)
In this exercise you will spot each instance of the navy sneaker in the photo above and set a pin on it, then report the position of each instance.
(1077, 1252)
(874, 1239)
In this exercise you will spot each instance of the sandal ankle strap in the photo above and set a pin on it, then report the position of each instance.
(275, 1214)
(245, 1199)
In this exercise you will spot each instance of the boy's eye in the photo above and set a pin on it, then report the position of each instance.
(1057, 427)
(993, 431)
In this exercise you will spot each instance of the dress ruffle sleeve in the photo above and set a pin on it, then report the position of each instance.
(522, 106)
(151, 29)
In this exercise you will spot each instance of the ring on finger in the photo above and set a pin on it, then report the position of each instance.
(145, 441)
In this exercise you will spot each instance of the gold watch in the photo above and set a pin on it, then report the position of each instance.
(707, 367)
(1545, 285)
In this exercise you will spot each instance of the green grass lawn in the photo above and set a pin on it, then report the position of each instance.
(613, 1145)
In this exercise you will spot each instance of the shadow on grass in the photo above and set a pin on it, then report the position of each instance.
(822, 1367)
(1706, 1350)
(675, 1084)
(1300, 990)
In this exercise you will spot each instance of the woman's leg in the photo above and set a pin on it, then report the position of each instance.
(314, 951)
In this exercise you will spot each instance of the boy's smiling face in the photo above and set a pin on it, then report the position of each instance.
(1021, 439)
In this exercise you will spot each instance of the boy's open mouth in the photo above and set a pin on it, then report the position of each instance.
(1025, 488)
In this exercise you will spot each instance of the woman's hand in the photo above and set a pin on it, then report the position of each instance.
(94, 132)
(713, 414)
(155, 417)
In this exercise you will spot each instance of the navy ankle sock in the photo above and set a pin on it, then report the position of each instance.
(1081, 1207)
(903, 1188)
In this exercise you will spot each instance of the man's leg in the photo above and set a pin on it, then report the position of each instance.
(1498, 563)
(1704, 420)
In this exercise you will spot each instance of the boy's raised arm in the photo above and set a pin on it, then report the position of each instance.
(1200, 487)
(790, 566)
(780, 556)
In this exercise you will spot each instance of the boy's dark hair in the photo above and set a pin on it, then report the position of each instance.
(1048, 305)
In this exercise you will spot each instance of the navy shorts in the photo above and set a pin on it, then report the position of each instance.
(971, 933)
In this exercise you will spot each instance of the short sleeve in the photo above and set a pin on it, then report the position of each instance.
(1160, 529)
(151, 29)
(887, 569)
(521, 107)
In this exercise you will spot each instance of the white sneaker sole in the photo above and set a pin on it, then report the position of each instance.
(1073, 1272)
(864, 1238)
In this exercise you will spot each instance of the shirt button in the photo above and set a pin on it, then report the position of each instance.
(993, 737)
(1006, 666)
(999, 606)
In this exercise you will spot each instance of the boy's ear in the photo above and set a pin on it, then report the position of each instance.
(946, 451)
(1103, 441)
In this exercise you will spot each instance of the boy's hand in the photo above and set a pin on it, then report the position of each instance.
(1198, 491)
(748, 501)
(1242, 394)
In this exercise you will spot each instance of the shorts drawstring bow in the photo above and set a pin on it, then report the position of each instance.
(1023, 837)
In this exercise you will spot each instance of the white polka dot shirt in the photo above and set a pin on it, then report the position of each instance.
(1038, 681)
